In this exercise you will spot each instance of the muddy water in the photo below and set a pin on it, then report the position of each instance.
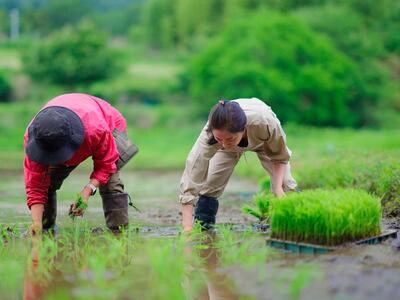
(365, 272)
(154, 193)
(362, 272)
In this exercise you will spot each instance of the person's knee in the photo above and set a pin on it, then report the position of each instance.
(114, 185)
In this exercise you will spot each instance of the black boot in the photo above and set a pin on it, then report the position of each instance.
(205, 211)
(115, 207)
(50, 213)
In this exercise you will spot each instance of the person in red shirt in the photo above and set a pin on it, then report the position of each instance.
(66, 131)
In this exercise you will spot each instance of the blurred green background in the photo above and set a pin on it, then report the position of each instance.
(329, 69)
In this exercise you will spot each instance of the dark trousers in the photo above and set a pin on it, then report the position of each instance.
(59, 173)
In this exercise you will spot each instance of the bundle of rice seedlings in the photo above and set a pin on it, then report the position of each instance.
(325, 217)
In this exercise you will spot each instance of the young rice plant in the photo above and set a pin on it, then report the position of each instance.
(326, 217)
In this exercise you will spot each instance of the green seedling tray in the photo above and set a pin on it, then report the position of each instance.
(318, 249)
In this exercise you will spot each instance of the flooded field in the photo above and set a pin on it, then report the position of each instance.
(153, 260)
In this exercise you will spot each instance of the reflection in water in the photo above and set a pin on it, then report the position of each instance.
(217, 285)
(33, 289)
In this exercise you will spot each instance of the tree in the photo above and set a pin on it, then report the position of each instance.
(75, 55)
(279, 59)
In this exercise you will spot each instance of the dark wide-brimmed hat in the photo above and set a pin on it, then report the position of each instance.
(54, 136)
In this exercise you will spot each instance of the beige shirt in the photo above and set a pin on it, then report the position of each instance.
(264, 134)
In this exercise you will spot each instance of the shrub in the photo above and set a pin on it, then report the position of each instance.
(5, 89)
(279, 59)
(327, 217)
(75, 55)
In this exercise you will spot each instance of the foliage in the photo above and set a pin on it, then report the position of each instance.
(75, 55)
(296, 71)
(328, 217)
(333, 20)
(5, 89)
(173, 24)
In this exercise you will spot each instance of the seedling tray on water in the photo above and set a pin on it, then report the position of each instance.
(319, 249)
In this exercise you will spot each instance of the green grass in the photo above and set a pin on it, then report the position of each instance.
(9, 58)
(327, 217)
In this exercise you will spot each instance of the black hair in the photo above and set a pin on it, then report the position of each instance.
(226, 115)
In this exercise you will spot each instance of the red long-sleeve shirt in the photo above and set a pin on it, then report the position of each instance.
(99, 120)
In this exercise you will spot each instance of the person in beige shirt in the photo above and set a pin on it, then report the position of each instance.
(233, 127)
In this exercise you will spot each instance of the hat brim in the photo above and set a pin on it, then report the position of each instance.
(37, 153)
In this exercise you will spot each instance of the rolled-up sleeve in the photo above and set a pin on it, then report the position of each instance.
(196, 168)
(275, 141)
(104, 156)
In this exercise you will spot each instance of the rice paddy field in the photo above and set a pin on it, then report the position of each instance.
(154, 260)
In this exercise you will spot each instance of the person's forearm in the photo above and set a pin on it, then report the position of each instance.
(187, 217)
(95, 182)
(277, 180)
(37, 214)
(87, 191)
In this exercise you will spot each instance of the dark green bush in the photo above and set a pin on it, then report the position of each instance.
(333, 20)
(279, 59)
(75, 55)
(5, 89)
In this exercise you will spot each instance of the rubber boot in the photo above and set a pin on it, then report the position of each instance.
(115, 207)
(206, 211)
(50, 213)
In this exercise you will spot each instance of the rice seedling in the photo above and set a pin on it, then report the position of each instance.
(79, 204)
(265, 184)
(325, 217)
(260, 210)
(245, 249)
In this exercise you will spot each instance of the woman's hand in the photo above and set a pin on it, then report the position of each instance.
(78, 208)
(187, 228)
(35, 229)
(278, 192)
(187, 217)
(277, 180)
(37, 217)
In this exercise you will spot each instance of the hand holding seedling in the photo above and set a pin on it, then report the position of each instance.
(78, 207)
(37, 216)
(35, 229)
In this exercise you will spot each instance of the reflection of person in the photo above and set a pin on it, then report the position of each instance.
(69, 129)
(33, 289)
(217, 285)
(233, 127)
